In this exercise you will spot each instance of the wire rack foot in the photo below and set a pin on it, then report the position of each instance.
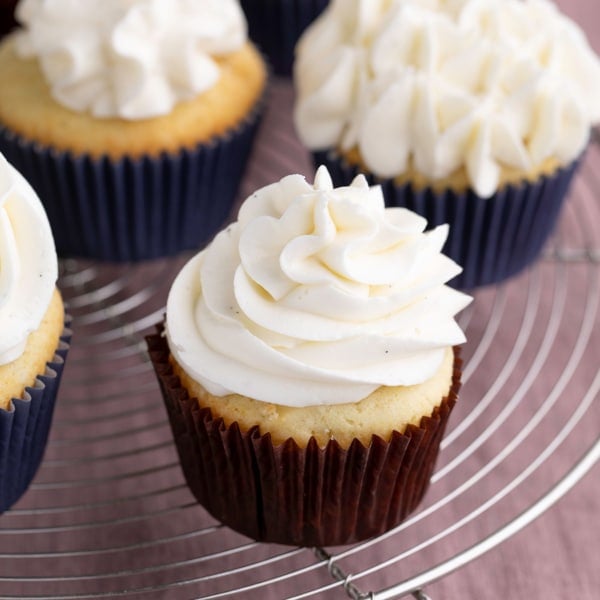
(339, 575)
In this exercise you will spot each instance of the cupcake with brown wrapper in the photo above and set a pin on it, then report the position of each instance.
(35, 334)
(307, 363)
(133, 121)
(471, 113)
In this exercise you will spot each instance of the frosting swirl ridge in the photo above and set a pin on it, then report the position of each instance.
(315, 296)
(132, 59)
(28, 262)
(438, 85)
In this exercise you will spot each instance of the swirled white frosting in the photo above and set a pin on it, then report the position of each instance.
(315, 296)
(28, 263)
(132, 59)
(445, 84)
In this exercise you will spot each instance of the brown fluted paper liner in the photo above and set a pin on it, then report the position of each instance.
(288, 494)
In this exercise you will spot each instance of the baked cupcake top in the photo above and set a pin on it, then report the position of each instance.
(131, 59)
(438, 85)
(28, 262)
(315, 296)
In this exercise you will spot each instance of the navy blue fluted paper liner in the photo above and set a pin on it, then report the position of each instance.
(276, 25)
(492, 239)
(135, 209)
(25, 426)
(304, 496)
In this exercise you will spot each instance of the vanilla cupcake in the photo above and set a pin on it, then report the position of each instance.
(308, 363)
(473, 113)
(276, 25)
(133, 120)
(33, 344)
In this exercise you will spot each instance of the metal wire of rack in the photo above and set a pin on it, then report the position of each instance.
(109, 515)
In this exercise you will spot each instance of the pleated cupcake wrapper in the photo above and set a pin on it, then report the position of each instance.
(24, 428)
(276, 25)
(135, 209)
(293, 495)
(493, 238)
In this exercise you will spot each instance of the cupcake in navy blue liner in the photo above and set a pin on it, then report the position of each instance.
(276, 25)
(133, 121)
(35, 334)
(474, 114)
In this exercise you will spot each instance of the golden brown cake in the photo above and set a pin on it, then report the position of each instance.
(40, 349)
(458, 180)
(28, 109)
(386, 410)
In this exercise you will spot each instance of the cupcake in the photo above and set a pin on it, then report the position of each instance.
(34, 341)
(132, 120)
(474, 113)
(309, 363)
(276, 25)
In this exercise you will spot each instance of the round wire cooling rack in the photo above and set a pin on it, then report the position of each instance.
(109, 514)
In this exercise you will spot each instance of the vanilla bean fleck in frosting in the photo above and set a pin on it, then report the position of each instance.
(438, 85)
(28, 262)
(131, 59)
(315, 296)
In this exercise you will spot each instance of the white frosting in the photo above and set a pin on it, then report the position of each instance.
(315, 296)
(132, 59)
(447, 84)
(28, 263)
